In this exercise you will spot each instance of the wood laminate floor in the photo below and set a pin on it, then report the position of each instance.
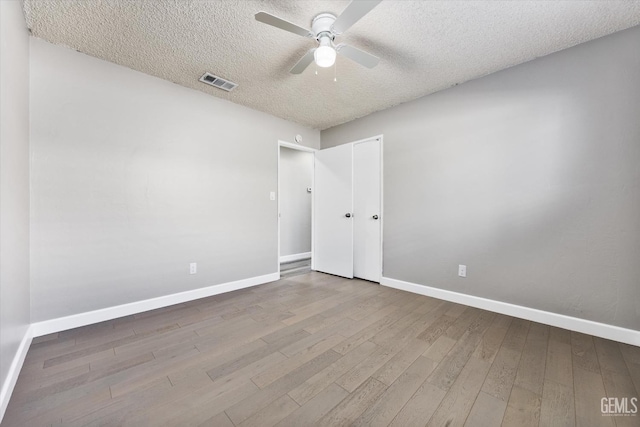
(295, 268)
(320, 350)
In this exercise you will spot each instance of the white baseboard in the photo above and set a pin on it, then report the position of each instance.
(14, 371)
(295, 257)
(590, 327)
(69, 322)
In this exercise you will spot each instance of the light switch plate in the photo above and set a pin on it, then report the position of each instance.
(272, 195)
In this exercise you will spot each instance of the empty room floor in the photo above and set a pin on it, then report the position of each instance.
(318, 349)
(295, 268)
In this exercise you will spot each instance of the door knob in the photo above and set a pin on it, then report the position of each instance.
(348, 215)
(375, 217)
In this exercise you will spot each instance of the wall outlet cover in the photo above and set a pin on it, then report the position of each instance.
(462, 270)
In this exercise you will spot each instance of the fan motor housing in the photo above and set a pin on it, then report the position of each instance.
(321, 25)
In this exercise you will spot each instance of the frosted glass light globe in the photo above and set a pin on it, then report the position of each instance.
(325, 56)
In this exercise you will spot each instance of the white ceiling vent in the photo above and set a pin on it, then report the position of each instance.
(218, 82)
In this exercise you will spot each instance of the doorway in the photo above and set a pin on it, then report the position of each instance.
(295, 209)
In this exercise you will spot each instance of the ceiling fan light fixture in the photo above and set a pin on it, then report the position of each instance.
(325, 56)
(324, 28)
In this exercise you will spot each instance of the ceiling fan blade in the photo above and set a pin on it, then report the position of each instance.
(274, 21)
(303, 63)
(357, 55)
(352, 14)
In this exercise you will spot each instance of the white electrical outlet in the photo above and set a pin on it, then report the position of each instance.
(462, 270)
(272, 195)
(193, 268)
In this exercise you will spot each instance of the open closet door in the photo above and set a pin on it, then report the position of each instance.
(333, 216)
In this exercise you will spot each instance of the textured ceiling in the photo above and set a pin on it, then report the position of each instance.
(424, 46)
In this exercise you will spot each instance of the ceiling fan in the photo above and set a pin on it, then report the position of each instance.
(324, 28)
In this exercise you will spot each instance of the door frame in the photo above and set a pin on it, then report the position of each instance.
(379, 138)
(313, 176)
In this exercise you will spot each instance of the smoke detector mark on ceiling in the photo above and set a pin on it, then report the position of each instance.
(218, 82)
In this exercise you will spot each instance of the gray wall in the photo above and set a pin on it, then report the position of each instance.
(530, 177)
(134, 177)
(14, 182)
(296, 174)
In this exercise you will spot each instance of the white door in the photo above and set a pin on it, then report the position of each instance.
(366, 210)
(333, 240)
